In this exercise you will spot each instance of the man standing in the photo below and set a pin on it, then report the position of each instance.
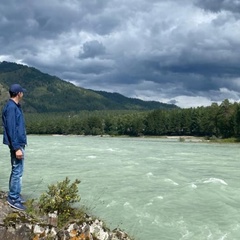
(14, 136)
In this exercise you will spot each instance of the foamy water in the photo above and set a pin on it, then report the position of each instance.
(155, 189)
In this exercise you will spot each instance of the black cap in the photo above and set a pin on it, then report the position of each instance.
(16, 88)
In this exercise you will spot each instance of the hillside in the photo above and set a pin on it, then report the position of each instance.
(46, 93)
(138, 103)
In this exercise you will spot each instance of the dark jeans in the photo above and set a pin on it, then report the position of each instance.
(15, 180)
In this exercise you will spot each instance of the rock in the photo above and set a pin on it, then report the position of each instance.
(17, 225)
(24, 232)
(53, 218)
(119, 234)
(96, 228)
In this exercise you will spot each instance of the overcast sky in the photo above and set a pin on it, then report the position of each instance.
(185, 52)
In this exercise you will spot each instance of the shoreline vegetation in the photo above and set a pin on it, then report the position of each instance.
(53, 217)
(214, 123)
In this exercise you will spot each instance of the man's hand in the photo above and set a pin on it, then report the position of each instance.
(19, 154)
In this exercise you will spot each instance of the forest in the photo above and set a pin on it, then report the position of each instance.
(54, 106)
(215, 121)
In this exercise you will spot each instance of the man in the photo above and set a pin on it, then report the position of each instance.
(14, 136)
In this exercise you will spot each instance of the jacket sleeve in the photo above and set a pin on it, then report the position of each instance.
(11, 127)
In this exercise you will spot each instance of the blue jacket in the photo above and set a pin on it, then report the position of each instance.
(14, 131)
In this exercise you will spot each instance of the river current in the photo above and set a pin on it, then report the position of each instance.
(153, 188)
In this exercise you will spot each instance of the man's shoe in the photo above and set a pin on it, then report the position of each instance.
(22, 200)
(16, 204)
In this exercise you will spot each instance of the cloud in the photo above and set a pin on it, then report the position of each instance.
(219, 5)
(165, 50)
(92, 49)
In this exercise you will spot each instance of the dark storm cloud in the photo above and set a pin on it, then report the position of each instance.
(92, 49)
(187, 52)
(218, 5)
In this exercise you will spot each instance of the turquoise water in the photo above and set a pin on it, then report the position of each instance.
(155, 189)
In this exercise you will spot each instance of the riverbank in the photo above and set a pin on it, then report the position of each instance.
(188, 138)
(185, 138)
(24, 226)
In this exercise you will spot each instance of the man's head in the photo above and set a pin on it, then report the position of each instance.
(16, 90)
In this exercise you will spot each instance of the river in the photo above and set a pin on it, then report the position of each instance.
(153, 188)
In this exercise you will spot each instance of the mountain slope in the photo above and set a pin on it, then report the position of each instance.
(46, 93)
(134, 102)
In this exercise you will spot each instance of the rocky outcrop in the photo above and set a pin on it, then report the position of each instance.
(16, 225)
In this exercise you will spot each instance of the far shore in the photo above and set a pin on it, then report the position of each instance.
(185, 138)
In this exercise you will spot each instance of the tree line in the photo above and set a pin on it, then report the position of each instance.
(220, 121)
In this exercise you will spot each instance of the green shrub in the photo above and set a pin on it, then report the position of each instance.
(59, 198)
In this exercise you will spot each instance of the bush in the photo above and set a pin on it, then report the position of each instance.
(59, 198)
